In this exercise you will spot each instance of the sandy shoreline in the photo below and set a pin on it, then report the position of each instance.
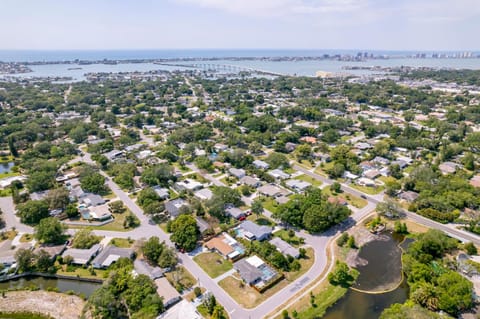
(57, 305)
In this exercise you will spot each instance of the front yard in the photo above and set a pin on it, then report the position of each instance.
(213, 264)
(309, 179)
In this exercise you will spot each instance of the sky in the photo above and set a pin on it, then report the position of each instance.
(239, 24)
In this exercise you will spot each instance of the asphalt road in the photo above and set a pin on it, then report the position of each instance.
(317, 242)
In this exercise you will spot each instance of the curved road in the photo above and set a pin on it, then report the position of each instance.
(317, 242)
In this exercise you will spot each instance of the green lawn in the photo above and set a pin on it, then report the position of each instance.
(9, 174)
(367, 189)
(79, 271)
(26, 238)
(294, 240)
(9, 234)
(269, 204)
(122, 242)
(261, 220)
(213, 264)
(181, 279)
(352, 200)
(306, 263)
(323, 301)
(321, 170)
(309, 179)
(116, 225)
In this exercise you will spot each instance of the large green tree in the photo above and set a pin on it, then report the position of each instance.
(50, 231)
(185, 231)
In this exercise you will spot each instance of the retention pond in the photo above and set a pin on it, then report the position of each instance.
(380, 283)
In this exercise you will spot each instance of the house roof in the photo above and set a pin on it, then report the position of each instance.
(298, 184)
(247, 271)
(284, 247)
(81, 256)
(111, 254)
(202, 224)
(93, 199)
(142, 267)
(165, 290)
(256, 230)
(173, 206)
(270, 190)
(219, 243)
(205, 194)
(235, 212)
(250, 181)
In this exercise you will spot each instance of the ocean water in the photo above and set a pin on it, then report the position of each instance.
(304, 68)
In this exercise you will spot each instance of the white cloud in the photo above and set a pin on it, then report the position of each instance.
(276, 8)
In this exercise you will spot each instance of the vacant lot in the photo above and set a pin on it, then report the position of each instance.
(213, 264)
(53, 304)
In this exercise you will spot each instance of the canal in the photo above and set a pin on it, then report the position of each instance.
(63, 285)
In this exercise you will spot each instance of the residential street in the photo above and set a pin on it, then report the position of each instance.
(318, 242)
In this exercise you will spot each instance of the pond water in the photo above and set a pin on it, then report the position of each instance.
(383, 271)
(63, 285)
(6, 167)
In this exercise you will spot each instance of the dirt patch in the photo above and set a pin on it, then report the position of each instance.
(57, 305)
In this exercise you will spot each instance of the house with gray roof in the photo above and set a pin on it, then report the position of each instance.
(284, 247)
(82, 256)
(278, 174)
(235, 212)
(143, 268)
(109, 255)
(113, 155)
(90, 199)
(249, 273)
(298, 185)
(260, 164)
(237, 172)
(173, 206)
(252, 231)
(250, 181)
(162, 192)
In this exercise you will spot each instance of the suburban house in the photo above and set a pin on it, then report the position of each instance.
(113, 155)
(235, 212)
(203, 226)
(99, 213)
(203, 194)
(165, 290)
(173, 206)
(271, 190)
(251, 231)
(183, 309)
(90, 199)
(188, 185)
(82, 256)
(298, 185)
(109, 255)
(261, 164)
(284, 247)
(143, 268)
(278, 174)
(409, 196)
(250, 181)
(255, 272)
(226, 246)
(162, 192)
(448, 167)
(237, 172)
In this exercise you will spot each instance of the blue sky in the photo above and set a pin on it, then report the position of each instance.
(286, 24)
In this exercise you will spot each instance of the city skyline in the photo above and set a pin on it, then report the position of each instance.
(220, 24)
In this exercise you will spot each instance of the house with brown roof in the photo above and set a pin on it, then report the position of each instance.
(226, 246)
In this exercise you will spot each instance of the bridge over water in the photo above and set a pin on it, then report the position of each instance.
(222, 67)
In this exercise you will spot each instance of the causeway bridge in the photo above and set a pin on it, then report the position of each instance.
(221, 67)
